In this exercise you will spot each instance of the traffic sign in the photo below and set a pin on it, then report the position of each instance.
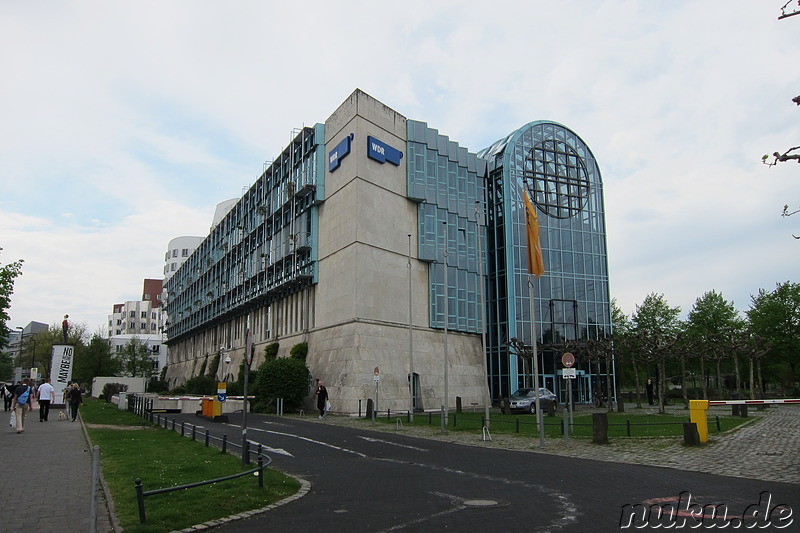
(568, 359)
(569, 373)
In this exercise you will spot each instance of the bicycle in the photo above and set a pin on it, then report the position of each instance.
(599, 400)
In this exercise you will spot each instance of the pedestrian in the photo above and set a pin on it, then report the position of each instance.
(75, 400)
(46, 395)
(322, 398)
(21, 402)
(7, 391)
(650, 392)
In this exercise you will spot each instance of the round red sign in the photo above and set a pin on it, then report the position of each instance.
(568, 360)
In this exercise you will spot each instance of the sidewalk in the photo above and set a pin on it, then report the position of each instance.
(53, 454)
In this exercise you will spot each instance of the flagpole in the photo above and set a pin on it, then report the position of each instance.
(410, 340)
(539, 421)
(446, 311)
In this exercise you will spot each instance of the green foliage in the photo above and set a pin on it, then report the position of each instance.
(775, 316)
(299, 351)
(285, 378)
(8, 273)
(96, 360)
(271, 351)
(136, 359)
(112, 389)
(203, 385)
(157, 386)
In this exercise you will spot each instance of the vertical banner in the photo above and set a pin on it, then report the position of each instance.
(61, 367)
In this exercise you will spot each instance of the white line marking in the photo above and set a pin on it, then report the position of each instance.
(371, 439)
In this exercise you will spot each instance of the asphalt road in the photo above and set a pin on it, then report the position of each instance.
(368, 481)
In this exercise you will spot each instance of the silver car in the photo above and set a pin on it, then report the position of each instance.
(525, 400)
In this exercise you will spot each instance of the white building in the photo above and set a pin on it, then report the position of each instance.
(153, 343)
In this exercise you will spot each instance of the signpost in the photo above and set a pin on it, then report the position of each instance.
(569, 374)
(377, 379)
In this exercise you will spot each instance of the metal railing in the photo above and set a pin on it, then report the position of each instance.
(141, 493)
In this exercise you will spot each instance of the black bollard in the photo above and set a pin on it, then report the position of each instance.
(600, 428)
(690, 435)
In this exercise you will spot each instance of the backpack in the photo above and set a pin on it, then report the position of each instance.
(22, 399)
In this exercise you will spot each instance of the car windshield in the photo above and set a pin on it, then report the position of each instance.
(530, 393)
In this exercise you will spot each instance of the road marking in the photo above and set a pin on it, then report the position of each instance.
(371, 439)
(315, 442)
(280, 451)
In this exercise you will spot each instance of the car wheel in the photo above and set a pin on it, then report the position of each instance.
(533, 408)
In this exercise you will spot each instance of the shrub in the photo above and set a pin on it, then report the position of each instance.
(285, 378)
(112, 389)
(203, 385)
(271, 351)
(299, 351)
(157, 385)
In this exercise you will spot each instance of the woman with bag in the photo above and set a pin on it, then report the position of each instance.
(20, 403)
(322, 398)
(75, 400)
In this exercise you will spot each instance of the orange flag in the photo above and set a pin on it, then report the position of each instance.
(535, 257)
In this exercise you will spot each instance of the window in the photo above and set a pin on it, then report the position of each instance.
(185, 252)
(175, 253)
(132, 314)
(143, 326)
(144, 314)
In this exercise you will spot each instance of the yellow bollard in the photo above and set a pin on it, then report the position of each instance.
(697, 414)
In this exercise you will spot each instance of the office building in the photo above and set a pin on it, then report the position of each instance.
(372, 238)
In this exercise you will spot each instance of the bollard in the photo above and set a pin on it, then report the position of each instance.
(260, 470)
(690, 435)
(743, 411)
(458, 404)
(207, 437)
(600, 428)
(370, 408)
(224, 443)
(140, 500)
(697, 414)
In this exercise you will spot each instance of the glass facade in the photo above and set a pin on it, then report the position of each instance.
(264, 248)
(571, 300)
(446, 181)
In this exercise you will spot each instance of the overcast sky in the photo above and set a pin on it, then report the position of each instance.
(123, 124)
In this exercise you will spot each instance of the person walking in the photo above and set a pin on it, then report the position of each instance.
(21, 402)
(650, 392)
(46, 394)
(75, 400)
(322, 398)
(7, 391)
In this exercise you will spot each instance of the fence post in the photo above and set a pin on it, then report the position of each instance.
(207, 436)
(246, 452)
(224, 443)
(183, 427)
(140, 500)
(194, 431)
(260, 471)
(628, 425)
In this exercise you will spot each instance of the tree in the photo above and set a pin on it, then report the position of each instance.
(96, 361)
(8, 273)
(655, 328)
(713, 326)
(775, 316)
(136, 359)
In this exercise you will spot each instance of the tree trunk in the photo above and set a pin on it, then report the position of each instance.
(738, 376)
(719, 379)
(662, 385)
(684, 383)
(636, 382)
(752, 381)
(703, 376)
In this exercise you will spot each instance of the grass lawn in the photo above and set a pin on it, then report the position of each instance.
(626, 424)
(131, 448)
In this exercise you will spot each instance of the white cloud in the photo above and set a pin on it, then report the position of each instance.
(122, 129)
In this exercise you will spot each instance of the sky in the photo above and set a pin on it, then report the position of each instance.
(123, 125)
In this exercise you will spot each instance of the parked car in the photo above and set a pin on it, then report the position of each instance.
(525, 400)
